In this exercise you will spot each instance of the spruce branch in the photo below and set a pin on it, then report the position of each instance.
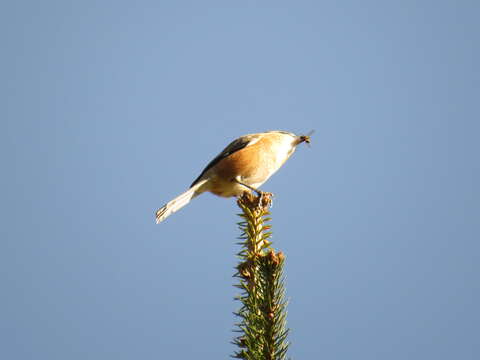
(262, 326)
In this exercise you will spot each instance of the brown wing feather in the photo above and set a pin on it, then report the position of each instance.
(234, 146)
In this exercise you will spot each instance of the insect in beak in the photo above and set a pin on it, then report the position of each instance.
(306, 138)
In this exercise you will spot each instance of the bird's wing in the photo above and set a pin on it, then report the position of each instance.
(234, 146)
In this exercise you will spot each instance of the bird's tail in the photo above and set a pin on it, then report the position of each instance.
(179, 202)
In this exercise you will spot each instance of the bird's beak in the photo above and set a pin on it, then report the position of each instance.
(304, 138)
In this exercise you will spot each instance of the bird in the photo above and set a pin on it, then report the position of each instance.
(244, 165)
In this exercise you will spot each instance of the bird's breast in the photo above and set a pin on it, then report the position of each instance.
(254, 164)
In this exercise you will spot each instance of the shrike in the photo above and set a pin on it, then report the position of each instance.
(245, 164)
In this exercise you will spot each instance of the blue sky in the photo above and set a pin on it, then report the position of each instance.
(112, 108)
